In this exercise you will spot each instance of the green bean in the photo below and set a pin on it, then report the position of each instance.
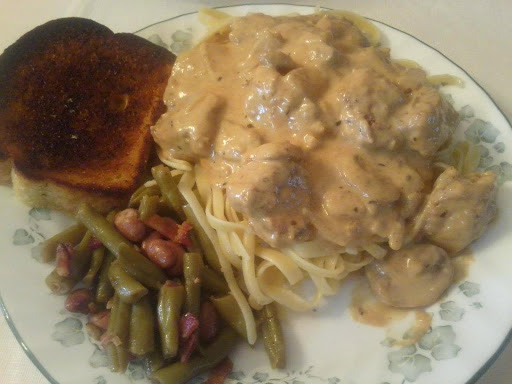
(83, 245)
(110, 347)
(154, 361)
(127, 288)
(104, 289)
(166, 211)
(142, 191)
(79, 263)
(148, 206)
(71, 235)
(142, 327)
(213, 282)
(141, 268)
(113, 359)
(113, 314)
(58, 284)
(230, 311)
(98, 255)
(170, 301)
(101, 228)
(180, 373)
(212, 259)
(136, 196)
(172, 196)
(272, 335)
(192, 270)
(119, 326)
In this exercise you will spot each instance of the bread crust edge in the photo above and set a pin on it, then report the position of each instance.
(51, 195)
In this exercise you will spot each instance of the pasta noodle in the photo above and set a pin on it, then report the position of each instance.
(268, 274)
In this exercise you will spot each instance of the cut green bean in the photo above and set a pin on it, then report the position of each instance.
(142, 327)
(113, 359)
(110, 347)
(272, 335)
(101, 228)
(154, 361)
(148, 206)
(104, 289)
(58, 284)
(172, 196)
(119, 327)
(170, 301)
(127, 288)
(212, 259)
(71, 235)
(98, 255)
(141, 268)
(230, 311)
(165, 211)
(192, 271)
(142, 191)
(84, 243)
(79, 263)
(180, 373)
(213, 282)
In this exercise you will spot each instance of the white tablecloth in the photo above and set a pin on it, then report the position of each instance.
(477, 35)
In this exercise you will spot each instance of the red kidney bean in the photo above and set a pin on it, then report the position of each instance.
(163, 253)
(78, 301)
(129, 225)
(209, 322)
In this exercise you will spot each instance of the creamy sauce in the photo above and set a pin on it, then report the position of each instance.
(404, 327)
(314, 133)
(366, 309)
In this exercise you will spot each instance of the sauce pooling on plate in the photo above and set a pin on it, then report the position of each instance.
(314, 133)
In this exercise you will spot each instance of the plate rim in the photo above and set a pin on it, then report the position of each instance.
(508, 338)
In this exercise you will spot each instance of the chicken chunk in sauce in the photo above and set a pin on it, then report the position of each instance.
(460, 208)
(272, 189)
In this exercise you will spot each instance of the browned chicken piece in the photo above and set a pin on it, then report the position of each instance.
(426, 121)
(271, 188)
(411, 277)
(366, 101)
(361, 195)
(460, 208)
(195, 127)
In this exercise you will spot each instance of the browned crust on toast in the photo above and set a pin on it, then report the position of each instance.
(76, 105)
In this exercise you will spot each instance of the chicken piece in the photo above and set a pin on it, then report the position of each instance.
(363, 195)
(282, 107)
(426, 121)
(366, 101)
(192, 128)
(459, 208)
(233, 140)
(271, 188)
(412, 277)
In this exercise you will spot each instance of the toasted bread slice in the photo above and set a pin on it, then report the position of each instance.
(76, 105)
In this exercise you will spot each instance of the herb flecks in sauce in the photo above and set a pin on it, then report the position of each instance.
(315, 133)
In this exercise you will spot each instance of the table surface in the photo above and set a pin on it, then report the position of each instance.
(475, 35)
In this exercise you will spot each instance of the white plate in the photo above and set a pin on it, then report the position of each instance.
(470, 325)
